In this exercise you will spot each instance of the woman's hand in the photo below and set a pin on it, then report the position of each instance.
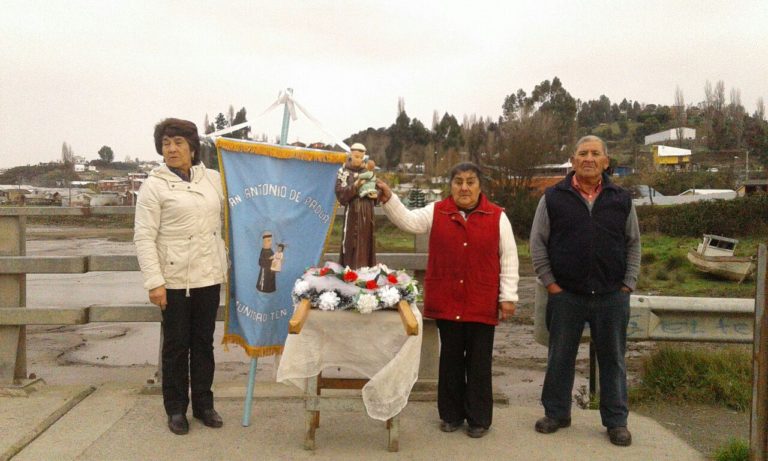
(385, 193)
(507, 309)
(158, 298)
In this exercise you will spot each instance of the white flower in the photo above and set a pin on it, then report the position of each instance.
(300, 287)
(328, 301)
(389, 296)
(366, 303)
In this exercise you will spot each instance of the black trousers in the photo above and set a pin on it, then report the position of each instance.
(188, 324)
(464, 388)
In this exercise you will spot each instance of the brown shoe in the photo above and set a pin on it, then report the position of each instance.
(547, 425)
(209, 417)
(620, 436)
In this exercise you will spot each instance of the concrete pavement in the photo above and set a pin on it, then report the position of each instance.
(117, 422)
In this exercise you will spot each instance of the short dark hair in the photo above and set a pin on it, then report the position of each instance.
(177, 127)
(466, 166)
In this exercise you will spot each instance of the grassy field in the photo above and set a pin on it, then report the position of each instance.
(664, 270)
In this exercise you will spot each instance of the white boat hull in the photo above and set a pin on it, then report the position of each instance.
(729, 267)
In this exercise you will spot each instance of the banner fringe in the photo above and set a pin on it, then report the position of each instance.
(285, 152)
(253, 352)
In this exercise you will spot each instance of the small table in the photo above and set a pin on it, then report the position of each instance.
(375, 346)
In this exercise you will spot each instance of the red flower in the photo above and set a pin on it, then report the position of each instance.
(350, 276)
(324, 271)
(392, 278)
(371, 284)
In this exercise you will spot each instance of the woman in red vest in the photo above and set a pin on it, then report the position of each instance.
(471, 282)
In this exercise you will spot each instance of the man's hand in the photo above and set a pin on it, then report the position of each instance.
(554, 288)
(385, 193)
(158, 298)
(626, 289)
(507, 309)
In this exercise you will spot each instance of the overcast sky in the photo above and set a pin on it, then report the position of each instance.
(94, 73)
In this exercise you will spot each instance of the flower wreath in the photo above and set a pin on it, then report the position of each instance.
(333, 287)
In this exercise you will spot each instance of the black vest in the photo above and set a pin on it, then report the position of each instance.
(588, 251)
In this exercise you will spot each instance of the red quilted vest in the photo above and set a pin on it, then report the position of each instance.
(462, 280)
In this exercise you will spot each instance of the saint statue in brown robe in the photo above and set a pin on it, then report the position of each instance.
(358, 246)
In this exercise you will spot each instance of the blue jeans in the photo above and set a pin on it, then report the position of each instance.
(608, 316)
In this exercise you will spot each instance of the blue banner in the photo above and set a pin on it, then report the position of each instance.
(281, 206)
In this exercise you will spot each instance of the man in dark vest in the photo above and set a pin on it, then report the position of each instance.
(585, 246)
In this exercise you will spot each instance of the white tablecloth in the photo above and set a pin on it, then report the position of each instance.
(374, 345)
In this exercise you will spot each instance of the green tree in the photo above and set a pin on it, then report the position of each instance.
(399, 134)
(220, 121)
(106, 154)
(242, 133)
(416, 198)
(547, 98)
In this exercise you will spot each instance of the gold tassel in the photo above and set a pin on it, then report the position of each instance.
(262, 351)
(271, 150)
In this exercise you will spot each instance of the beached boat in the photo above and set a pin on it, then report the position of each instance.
(714, 255)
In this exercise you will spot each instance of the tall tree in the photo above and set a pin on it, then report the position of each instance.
(242, 133)
(106, 154)
(208, 127)
(524, 143)
(230, 115)
(679, 115)
(547, 98)
(67, 156)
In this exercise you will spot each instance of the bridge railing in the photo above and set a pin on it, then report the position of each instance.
(15, 265)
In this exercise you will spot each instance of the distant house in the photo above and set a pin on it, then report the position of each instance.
(671, 158)
(669, 135)
(752, 187)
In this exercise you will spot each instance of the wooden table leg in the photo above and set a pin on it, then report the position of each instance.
(310, 416)
(393, 424)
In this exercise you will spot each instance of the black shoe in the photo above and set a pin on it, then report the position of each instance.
(209, 417)
(477, 431)
(446, 426)
(178, 424)
(620, 436)
(547, 425)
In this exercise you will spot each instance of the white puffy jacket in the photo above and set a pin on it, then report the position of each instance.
(177, 231)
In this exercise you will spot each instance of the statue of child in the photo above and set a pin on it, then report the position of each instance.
(368, 188)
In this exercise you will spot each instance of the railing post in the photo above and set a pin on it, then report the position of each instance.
(758, 425)
(13, 351)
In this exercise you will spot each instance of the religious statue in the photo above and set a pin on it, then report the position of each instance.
(358, 246)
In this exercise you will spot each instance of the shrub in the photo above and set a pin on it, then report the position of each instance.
(717, 377)
(734, 450)
(661, 274)
(740, 217)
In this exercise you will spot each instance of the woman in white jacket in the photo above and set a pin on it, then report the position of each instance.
(183, 261)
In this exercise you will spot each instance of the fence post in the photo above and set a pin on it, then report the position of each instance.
(758, 424)
(13, 352)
